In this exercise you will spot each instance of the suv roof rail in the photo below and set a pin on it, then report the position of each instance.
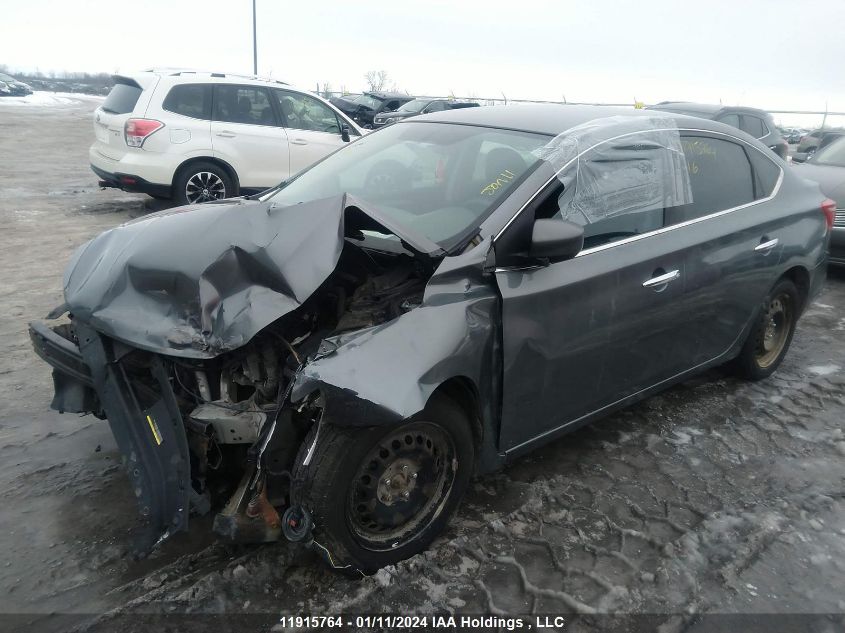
(177, 72)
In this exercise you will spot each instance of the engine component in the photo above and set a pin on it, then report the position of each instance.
(230, 426)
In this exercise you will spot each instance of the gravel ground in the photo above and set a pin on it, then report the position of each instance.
(716, 497)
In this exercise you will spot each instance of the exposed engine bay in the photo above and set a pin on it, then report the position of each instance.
(234, 406)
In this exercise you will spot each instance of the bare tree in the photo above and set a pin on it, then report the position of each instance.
(376, 79)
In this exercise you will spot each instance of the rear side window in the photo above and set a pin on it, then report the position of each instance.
(766, 174)
(720, 178)
(754, 126)
(243, 104)
(729, 119)
(193, 100)
(122, 98)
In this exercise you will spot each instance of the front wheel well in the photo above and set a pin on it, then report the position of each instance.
(464, 393)
(214, 161)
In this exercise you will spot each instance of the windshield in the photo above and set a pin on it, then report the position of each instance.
(414, 106)
(367, 101)
(436, 179)
(833, 154)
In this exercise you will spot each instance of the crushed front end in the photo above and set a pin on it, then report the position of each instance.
(204, 424)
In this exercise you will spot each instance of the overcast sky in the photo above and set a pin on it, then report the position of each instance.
(773, 54)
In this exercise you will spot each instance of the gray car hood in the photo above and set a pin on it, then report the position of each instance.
(198, 281)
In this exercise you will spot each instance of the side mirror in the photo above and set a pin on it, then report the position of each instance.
(344, 133)
(556, 240)
(800, 157)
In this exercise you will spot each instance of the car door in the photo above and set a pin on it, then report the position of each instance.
(313, 128)
(583, 334)
(246, 134)
(732, 238)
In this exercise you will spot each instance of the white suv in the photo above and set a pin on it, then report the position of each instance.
(195, 137)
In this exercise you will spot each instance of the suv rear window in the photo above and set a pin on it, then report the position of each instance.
(754, 126)
(122, 99)
(193, 100)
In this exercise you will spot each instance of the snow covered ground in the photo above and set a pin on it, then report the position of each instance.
(43, 98)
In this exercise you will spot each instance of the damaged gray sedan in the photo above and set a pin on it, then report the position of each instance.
(332, 360)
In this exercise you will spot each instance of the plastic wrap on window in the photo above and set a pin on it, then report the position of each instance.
(637, 163)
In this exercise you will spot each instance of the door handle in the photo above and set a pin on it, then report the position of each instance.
(299, 141)
(662, 280)
(766, 247)
(226, 134)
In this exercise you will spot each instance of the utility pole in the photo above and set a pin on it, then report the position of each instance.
(254, 44)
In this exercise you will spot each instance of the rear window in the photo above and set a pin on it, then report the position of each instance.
(122, 99)
(193, 100)
(766, 174)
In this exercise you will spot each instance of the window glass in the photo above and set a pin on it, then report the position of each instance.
(720, 178)
(242, 104)
(753, 125)
(729, 119)
(621, 188)
(436, 106)
(367, 101)
(413, 106)
(122, 99)
(432, 178)
(766, 174)
(302, 112)
(193, 100)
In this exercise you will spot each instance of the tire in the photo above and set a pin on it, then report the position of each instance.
(379, 495)
(771, 334)
(202, 182)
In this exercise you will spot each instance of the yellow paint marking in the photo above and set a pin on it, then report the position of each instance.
(154, 429)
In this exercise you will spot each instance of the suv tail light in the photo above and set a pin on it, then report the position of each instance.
(136, 131)
(829, 210)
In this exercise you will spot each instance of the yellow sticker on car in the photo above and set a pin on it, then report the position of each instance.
(154, 429)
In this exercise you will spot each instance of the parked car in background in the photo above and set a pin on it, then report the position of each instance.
(9, 86)
(815, 140)
(365, 107)
(827, 167)
(194, 137)
(757, 123)
(792, 135)
(420, 106)
(339, 356)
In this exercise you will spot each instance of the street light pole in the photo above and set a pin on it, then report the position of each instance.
(254, 44)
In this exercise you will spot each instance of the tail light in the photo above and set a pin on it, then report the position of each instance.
(136, 131)
(829, 210)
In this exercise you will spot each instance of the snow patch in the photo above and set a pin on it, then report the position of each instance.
(42, 98)
(823, 370)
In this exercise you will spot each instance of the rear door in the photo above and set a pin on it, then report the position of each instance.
(313, 128)
(246, 134)
(583, 334)
(734, 241)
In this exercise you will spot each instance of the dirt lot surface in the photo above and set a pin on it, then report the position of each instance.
(718, 496)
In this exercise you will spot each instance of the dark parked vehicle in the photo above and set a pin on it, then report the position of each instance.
(11, 87)
(365, 107)
(420, 106)
(757, 123)
(339, 355)
(827, 167)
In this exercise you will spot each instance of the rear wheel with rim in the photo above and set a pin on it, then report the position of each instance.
(202, 182)
(379, 495)
(771, 335)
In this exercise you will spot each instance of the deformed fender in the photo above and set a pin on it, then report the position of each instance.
(386, 373)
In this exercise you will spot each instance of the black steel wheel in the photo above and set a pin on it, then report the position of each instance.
(772, 332)
(379, 495)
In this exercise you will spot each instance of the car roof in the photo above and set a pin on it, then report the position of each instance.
(705, 110)
(204, 74)
(388, 95)
(549, 119)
